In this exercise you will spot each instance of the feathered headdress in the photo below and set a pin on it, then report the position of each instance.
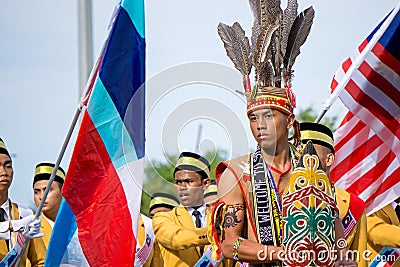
(275, 43)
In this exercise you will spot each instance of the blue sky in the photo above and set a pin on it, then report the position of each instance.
(39, 73)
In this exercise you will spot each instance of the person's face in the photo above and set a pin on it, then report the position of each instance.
(158, 209)
(189, 187)
(6, 172)
(325, 156)
(53, 200)
(270, 127)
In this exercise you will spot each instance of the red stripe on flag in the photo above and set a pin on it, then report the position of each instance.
(346, 65)
(346, 118)
(386, 58)
(334, 84)
(362, 45)
(96, 196)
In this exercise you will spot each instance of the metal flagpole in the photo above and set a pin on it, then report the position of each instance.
(198, 138)
(357, 62)
(85, 41)
(82, 104)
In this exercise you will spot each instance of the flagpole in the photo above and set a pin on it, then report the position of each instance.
(357, 62)
(82, 104)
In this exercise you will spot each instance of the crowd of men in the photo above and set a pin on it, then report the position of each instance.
(181, 229)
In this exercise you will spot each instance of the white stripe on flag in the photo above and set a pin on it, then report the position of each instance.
(131, 176)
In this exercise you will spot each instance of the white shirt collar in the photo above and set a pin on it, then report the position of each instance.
(202, 210)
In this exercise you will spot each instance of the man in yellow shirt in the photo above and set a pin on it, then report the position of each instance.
(52, 204)
(15, 218)
(182, 232)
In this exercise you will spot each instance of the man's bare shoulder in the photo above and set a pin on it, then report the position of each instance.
(228, 188)
(237, 165)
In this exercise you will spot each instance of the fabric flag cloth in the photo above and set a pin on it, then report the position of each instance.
(367, 142)
(13, 255)
(103, 186)
(387, 257)
(206, 260)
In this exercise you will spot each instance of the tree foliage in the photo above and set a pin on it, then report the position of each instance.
(309, 115)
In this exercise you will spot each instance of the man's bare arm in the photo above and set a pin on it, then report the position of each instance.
(249, 251)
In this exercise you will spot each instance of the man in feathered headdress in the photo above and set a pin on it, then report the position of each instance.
(247, 220)
(250, 187)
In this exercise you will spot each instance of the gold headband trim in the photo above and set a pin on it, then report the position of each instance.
(313, 135)
(193, 162)
(48, 170)
(162, 200)
(211, 189)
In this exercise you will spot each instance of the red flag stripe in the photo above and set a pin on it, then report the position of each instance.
(101, 210)
(349, 116)
(362, 45)
(356, 155)
(340, 73)
(387, 72)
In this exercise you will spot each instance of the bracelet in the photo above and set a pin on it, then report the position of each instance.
(236, 247)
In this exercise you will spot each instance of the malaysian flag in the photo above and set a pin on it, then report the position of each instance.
(367, 142)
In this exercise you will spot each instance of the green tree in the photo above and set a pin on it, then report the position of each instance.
(309, 115)
(159, 175)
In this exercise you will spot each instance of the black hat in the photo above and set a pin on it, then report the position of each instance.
(43, 172)
(317, 133)
(193, 162)
(160, 199)
(3, 149)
